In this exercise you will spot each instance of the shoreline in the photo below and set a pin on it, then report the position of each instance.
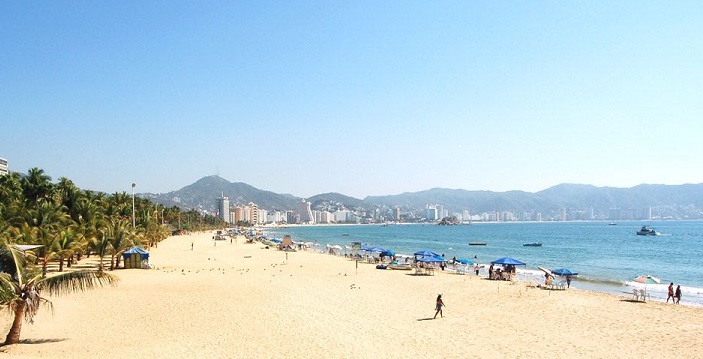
(241, 300)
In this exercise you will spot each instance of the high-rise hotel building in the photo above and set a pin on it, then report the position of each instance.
(223, 208)
(4, 169)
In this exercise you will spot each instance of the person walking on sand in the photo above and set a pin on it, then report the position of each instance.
(439, 306)
(678, 294)
(671, 293)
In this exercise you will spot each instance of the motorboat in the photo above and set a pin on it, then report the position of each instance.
(477, 243)
(399, 266)
(533, 244)
(647, 231)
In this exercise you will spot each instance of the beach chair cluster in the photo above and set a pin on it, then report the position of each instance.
(640, 295)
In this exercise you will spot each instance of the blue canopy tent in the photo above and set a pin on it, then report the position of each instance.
(134, 257)
(432, 259)
(508, 261)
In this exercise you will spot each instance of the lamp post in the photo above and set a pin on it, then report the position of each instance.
(134, 223)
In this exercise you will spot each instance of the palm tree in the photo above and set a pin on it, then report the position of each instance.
(66, 244)
(36, 185)
(119, 235)
(21, 286)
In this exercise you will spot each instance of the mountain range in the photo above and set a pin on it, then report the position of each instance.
(665, 201)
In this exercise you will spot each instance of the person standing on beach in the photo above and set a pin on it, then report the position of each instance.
(678, 294)
(439, 306)
(568, 281)
(671, 293)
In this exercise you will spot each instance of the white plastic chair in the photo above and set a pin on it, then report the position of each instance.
(635, 294)
(644, 295)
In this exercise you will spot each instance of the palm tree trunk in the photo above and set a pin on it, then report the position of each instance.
(112, 262)
(13, 337)
(61, 264)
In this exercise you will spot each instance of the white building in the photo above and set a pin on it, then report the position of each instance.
(223, 208)
(4, 169)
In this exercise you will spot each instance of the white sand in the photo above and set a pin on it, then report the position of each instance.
(242, 301)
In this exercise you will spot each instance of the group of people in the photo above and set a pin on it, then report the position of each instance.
(501, 274)
(674, 295)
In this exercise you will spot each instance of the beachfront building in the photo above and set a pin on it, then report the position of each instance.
(223, 208)
(431, 213)
(305, 212)
(251, 213)
(4, 169)
(237, 214)
(263, 216)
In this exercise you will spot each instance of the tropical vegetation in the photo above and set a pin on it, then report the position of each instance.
(63, 224)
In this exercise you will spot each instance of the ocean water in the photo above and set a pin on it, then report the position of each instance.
(607, 257)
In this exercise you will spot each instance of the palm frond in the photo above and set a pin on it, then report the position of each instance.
(69, 282)
(12, 260)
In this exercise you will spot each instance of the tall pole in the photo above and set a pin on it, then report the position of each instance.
(134, 223)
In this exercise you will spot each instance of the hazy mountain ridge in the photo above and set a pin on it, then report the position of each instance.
(203, 194)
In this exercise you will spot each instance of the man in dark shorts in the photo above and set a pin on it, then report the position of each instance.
(671, 293)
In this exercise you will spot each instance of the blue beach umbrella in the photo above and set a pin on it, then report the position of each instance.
(426, 253)
(465, 261)
(388, 253)
(276, 240)
(564, 272)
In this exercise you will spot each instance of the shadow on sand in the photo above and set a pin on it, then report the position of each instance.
(422, 319)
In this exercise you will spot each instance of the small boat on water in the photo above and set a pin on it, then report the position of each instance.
(647, 231)
(345, 235)
(533, 244)
(477, 243)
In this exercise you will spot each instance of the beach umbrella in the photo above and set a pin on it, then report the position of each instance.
(426, 253)
(275, 240)
(507, 261)
(564, 272)
(647, 279)
(465, 261)
(377, 249)
(545, 270)
(388, 253)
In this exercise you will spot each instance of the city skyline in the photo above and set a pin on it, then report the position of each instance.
(362, 98)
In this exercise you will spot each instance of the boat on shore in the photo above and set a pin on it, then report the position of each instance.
(647, 231)
(399, 266)
(533, 244)
(477, 243)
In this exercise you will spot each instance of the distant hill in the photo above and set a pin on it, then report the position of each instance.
(204, 192)
(678, 201)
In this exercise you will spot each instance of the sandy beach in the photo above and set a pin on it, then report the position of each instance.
(237, 300)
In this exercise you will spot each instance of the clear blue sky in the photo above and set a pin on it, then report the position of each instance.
(362, 98)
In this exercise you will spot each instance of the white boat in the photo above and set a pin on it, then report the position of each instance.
(399, 266)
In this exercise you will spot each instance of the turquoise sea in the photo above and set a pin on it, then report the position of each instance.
(607, 257)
